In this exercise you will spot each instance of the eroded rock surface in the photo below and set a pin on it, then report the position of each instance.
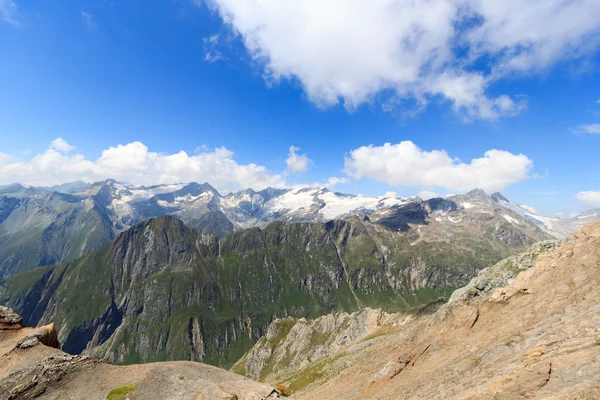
(291, 344)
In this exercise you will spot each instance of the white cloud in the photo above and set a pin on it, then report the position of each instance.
(333, 181)
(406, 164)
(134, 163)
(355, 51)
(560, 214)
(589, 198)
(87, 20)
(529, 208)
(427, 194)
(61, 145)
(330, 183)
(211, 52)
(297, 162)
(593, 129)
(9, 12)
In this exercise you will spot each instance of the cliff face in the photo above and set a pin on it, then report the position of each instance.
(163, 291)
(531, 335)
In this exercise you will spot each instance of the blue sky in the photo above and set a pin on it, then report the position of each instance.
(235, 84)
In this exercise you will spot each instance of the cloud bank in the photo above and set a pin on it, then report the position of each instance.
(355, 51)
(402, 164)
(405, 164)
(135, 163)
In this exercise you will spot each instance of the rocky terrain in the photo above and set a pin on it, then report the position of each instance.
(31, 366)
(525, 328)
(292, 344)
(45, 226)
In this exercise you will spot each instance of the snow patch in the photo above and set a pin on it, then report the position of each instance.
(511, 219)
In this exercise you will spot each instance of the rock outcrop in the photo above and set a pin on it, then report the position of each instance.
(291, 344)
(535, 337)
(504, 272)
(9, 319)
(31, 366)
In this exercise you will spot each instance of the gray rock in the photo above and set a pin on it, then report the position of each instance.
(503, 272)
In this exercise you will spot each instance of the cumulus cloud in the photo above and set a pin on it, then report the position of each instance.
(135, 163)
(9, 12)
(529, 208)
(297, 162)
(589, 198)
(593, 129)
(333, 181)
(406, 164)
(61, 145)
(354, 51)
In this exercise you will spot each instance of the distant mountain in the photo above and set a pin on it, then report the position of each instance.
(64, 226)
(69, 188)
(585, 217)
(38, 227)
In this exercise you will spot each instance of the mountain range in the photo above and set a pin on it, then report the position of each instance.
(48, 225)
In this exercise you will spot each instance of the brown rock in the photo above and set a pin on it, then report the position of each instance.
(9, 320)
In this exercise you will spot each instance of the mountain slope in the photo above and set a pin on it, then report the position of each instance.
(161, 289)
(41, 228)
(534, 336)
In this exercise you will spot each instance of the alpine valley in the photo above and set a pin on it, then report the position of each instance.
(181, 272)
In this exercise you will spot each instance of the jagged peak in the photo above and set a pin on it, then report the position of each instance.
(108, 182)
(11, 188)
(497, 196)
(477, 192)
(195, 188)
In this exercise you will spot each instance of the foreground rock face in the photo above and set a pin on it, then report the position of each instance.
(291, 344)
(537, 336)
(503, 272)
(31, 365)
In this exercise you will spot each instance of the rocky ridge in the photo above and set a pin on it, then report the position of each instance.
(291, 344)
(504, 272)
(31, 366)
